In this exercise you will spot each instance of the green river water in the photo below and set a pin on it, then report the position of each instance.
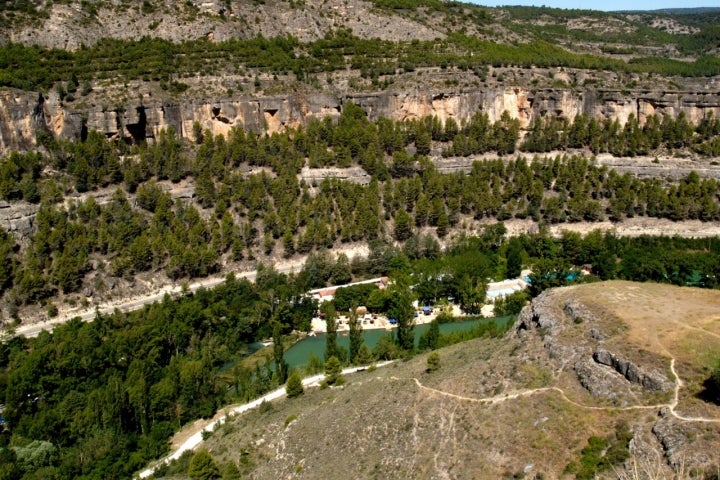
(298, 354)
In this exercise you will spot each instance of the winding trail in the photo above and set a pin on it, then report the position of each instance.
(196, 437)
(672, 405)
(524, 393)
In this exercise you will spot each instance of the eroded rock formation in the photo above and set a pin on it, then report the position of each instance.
(573, 334)
(23, 115)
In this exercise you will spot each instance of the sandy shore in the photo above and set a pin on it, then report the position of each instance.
(381, 321)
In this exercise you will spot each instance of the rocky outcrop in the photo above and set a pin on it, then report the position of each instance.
(543, 313)
(669, 436)
(68, 25)
(18, 219)
(314, 176)
(600, 382)
(23, 115)
(652, 380)
(574, 335)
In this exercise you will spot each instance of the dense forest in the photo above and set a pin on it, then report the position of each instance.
(236, 216)
(100, 399)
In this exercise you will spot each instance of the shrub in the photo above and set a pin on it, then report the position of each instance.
(333, 371)
(203, 467)
(52, 310)
(294, 387)
(290, 418)
(712, 385)
(433, 362)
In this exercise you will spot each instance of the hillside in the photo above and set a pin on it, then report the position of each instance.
(73, 25)
(91, 221)
(620, 361)
(129, 69)
(151, 150)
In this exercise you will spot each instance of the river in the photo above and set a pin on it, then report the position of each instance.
(298, 354)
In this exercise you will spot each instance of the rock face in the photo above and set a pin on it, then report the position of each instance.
(314, 176)
(23, 114)
(574, 335)
(652, 380)
(68, 26)
(18, 219)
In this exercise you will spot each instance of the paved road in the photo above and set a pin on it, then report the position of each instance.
(196, 439)
(88, 314)
(33, 329)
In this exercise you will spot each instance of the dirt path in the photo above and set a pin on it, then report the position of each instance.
(524, 393)
(676, 399)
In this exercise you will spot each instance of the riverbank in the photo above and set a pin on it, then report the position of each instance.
(381, 322)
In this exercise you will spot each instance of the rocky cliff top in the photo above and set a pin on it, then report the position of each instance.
(71, 25)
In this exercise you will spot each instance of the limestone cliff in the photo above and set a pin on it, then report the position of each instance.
(24, 114)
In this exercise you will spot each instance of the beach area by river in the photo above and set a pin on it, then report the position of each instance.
(373, 321)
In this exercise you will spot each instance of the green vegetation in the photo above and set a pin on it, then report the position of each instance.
(203, 467)
(712, 385)
(551, 24)
(133, 378)
(333, 372)
(331, 347)
(400, 309)
(629, 140)
(289, 419)
(157, 60)
(511, 304)
(100, 399)
(410, 4)
(602, 454)
(429, 340)
(250, 214)
(113, 390)
(356, 339)
(433, 362)
(294, 387)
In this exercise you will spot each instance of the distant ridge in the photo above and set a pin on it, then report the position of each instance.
(675, 11)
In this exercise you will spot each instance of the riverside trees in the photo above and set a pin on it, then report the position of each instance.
(237, 216)
(110, 392)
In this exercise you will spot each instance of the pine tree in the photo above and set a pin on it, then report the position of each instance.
(294, 387)
(281, 366)
(400, 308)
(331, 348)
(514, 258)
(429, 340)
(333, 371)
(356, 338)
(203, 467)
(403, 226)
(364, 356)
(433, 362)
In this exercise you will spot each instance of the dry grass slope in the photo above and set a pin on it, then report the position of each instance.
(513, 406)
